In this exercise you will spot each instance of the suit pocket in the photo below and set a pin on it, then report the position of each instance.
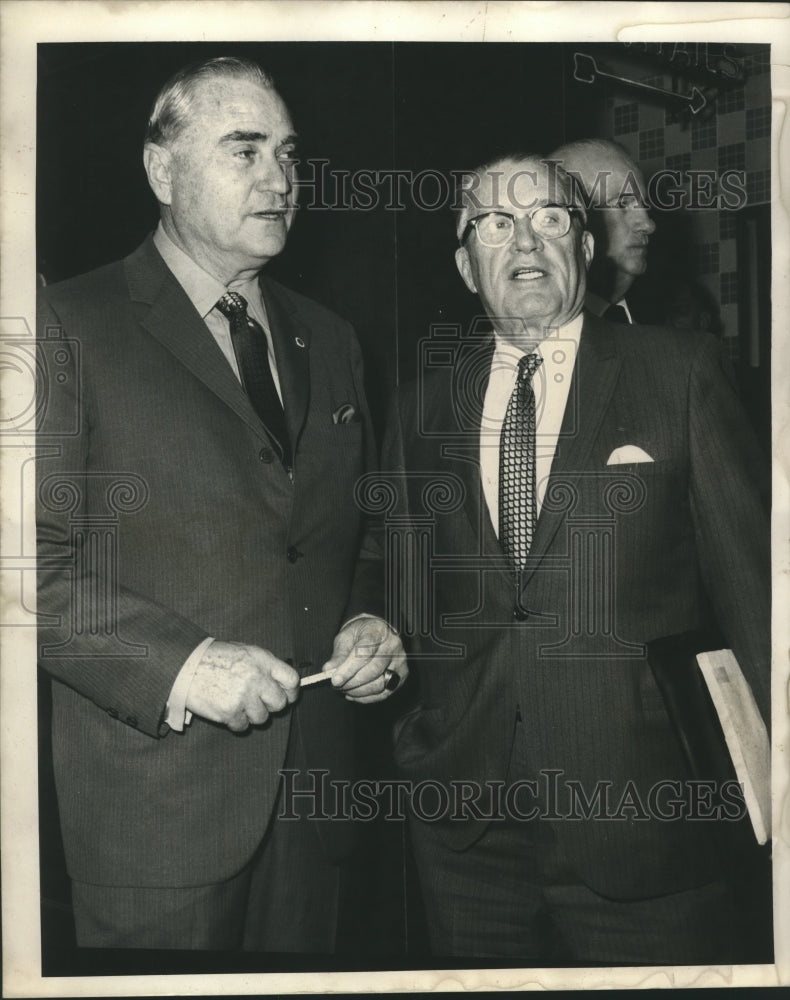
(336, 450)
(418, 732)
(349, 432)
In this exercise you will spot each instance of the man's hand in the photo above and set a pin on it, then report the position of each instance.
(364, 648)
(240, 685)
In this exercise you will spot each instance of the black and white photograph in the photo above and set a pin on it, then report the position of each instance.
(395, 540)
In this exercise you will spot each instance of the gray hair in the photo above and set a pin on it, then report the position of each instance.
(173, 104)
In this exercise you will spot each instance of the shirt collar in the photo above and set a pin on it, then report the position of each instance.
(203, 289)
(509, 355)
(597, 306)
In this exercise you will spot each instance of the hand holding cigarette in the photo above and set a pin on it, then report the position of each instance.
(368, 661)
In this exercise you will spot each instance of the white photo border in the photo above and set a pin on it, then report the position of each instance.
(23, 24)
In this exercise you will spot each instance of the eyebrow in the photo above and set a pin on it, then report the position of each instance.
(512, 209)
(239, 135)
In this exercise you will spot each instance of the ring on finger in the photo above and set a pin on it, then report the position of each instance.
(391, 679)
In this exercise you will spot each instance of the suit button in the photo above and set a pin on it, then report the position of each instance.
(305, 664)
(113, 713)
(293, 554)
(266, 455)
(520, 614)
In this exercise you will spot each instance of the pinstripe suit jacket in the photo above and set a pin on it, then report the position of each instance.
(623, 554)
(164, 517)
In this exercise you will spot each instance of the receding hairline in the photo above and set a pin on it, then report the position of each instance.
(175, 100)
(516, 159)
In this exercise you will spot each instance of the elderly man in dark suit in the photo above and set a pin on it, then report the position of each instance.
(202, 428)
(576, 489)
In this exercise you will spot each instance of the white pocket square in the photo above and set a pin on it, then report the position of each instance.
(628, 453)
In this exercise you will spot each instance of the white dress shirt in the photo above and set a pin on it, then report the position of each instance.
(551, 384)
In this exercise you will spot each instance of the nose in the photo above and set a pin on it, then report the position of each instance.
(275, 175)
(524, 236)
(642, 221)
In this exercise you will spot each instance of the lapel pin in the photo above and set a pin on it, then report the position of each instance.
(299, 341)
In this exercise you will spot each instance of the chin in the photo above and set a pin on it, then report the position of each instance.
(266, 250)
(636, 265)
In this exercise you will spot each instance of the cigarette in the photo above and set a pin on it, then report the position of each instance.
(315, 679)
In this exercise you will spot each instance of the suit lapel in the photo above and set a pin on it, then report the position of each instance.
(167, 313)
(291, 338)
(594, 378)
(464, 414)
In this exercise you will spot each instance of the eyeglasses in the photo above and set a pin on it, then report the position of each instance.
(495, 229)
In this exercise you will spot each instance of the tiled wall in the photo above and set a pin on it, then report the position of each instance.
(733, 132)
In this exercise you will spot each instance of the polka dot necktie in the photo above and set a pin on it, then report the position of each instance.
(517, 498)
(252, 356)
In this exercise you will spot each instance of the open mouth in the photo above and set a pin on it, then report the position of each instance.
(527, 274)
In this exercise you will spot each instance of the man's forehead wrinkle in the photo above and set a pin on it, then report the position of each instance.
(525, 184)
(235, 96)
(239, 119)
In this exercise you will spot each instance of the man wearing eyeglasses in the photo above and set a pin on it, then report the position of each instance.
(613, 188)
(597, 492)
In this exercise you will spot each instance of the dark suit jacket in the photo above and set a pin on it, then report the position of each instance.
(622, 554)
(164, 517)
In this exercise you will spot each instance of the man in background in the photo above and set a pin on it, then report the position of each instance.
(612, 188)
(199, 549)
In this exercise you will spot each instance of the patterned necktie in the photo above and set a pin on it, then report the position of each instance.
(617, 314)
(252, 356)
(517, 499)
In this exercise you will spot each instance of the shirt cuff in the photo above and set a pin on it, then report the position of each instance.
(177, 715)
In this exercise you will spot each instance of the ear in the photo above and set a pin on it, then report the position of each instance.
(157, 161)
(464, 265)
(588, 247)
